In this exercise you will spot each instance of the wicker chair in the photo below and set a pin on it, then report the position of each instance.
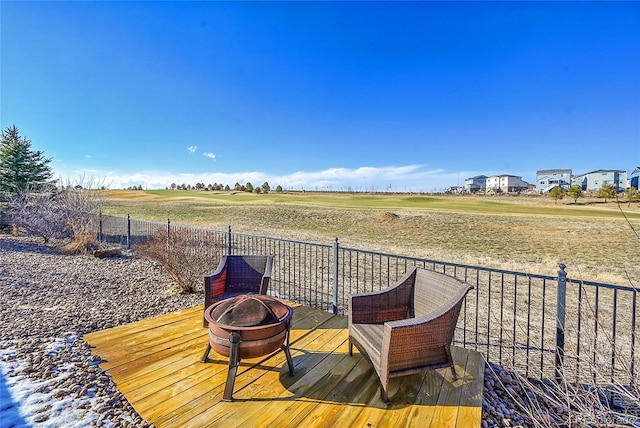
(408, 327)
(236, 275)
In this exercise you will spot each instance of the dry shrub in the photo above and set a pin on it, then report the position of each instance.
(69, 212)
(81, 243)
(596, 395)
(184, 256)
(80, 206)
(600, 402)
(38, 212)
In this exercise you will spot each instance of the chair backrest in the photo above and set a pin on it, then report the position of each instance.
(248, 273)
(436, 292)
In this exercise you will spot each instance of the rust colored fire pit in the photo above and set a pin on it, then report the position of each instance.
(248, 326)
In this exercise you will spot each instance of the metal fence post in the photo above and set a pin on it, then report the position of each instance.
(335, 276)
(100, 234)
(229, 242)
(128, 231)
(560, 320)
(168, 231)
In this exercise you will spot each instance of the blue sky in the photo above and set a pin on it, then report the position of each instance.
(412, 96)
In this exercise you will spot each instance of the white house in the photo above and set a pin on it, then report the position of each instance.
(547, 179)
(506, 183)
(593, 181)
(475, 184)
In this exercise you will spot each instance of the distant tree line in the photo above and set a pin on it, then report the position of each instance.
(247, 187)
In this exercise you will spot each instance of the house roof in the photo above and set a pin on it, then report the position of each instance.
(553, 171)
(602, 170)
(506, 175)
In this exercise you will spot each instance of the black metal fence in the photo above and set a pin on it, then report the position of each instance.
(547, 326)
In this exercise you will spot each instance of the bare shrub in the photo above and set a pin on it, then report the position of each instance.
(185, 257)
(70, 212)
(38, 213)
(80, 206)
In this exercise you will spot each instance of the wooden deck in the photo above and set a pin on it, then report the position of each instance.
(156, 365)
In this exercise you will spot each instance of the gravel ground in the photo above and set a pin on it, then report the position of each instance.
(49, 301)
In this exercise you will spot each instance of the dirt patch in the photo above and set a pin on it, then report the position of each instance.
(387, 216)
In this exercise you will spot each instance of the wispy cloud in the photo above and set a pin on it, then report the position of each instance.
(88, 156)
(192, 149)
(404, 178)
(209, 155)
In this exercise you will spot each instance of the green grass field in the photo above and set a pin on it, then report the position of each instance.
(531, 234)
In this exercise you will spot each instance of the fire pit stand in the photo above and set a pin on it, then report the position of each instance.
(248, 326)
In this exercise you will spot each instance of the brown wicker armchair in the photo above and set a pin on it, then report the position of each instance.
(236, 275)
(408, 327)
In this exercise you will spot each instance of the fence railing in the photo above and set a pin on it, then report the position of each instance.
(546, 326)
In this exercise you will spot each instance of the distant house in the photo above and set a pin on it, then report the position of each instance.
(475, 184)
(593, 181)
(634, 179)
(506, 183)
(455, 189)
(547, 179)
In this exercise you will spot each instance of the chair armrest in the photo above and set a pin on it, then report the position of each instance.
(219, 270)
(266, 278)
(215, 283)
(433, 330)
(410, 344)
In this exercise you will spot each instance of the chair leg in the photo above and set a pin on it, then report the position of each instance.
(206, 353)
(384, 393)
(350, 348)
(453, 367)
(453, 370)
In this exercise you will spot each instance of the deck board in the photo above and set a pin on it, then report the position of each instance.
(156, 365)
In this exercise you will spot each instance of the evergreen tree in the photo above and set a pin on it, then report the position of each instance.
(21, 168)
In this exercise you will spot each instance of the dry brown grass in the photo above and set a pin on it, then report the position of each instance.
(592, 238)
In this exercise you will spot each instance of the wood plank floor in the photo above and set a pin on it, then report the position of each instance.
(156, 365)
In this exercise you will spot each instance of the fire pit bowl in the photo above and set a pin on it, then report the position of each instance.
(261, 321)
(248, 326)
